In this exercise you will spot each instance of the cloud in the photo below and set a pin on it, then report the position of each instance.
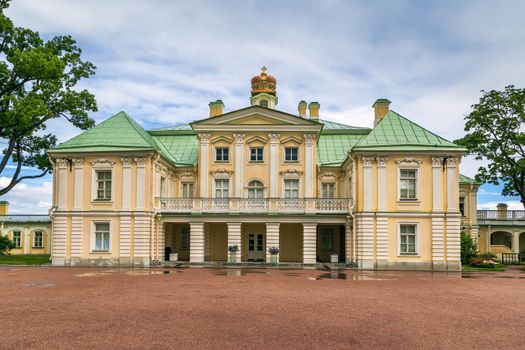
(25, 198)
(512, 205)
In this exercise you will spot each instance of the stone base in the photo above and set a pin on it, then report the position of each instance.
(370, 264)
(111, 262)
(439, 266)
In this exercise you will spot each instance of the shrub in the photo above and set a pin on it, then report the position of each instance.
(469, 249)
(480, 262)
(5, 245)
(488, 256)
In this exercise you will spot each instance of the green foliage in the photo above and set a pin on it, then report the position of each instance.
(38, 82)
(469, 249)
(24, 259)
(488, 256)
(5, 245)
(496, 132)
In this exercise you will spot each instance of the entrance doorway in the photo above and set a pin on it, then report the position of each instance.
(255, 247)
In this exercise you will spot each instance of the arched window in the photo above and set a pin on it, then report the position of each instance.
(255, 189)
(263, 103)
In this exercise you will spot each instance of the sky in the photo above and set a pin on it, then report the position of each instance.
(163, 61)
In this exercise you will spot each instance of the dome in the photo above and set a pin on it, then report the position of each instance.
(263, 83)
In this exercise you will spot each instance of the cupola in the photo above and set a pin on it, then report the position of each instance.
(264, 90)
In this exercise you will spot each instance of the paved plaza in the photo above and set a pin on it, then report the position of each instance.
(197, 308)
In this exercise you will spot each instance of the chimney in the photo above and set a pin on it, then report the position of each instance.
(302, 109)
(4, 207)
(216, 108)
(381, 107)
(502, 211)
(314, 110)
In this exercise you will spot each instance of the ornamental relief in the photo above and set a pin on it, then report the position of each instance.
(452, 161)
(408, 160)
(79, 162)
(102, 162)
(221, 171)
(367, 161)
(274, 138)
(291, 172)
(328, 176)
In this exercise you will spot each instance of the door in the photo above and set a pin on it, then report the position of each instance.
(256, 247)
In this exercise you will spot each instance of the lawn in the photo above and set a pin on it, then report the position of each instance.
(24, 259)
(499, 267)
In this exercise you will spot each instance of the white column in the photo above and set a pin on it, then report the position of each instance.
(26, 240)
(59, 237)
(381, 183)
(63, 165)
(76, 237)
(77, 201)
(516, 242)
(382, 238)
(234, 237)
(126, 183)
(274, 165)
(452, 185)
(272, 238)
(142, 240)
(309, 243)
(203, 164)
(196, 242)
(438, 242)
(309, 165)
(239, 164)
(141, 183)
(437, 184)
(125, 236)
(367, 183)
(453, 242)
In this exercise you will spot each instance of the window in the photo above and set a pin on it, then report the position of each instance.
(255, 189)
(408, 182)
(222, 154)
(407, 240)
(185, 238)
(37, 240)
(291, 189)
(291, 154)
(102, 236)
(17, 239)
(328, 190)
(263, 103)
(104, 185)
(222, 188)
(327, 238)
(187, 189)
(162, 186)
(462, 205)
(256, 154)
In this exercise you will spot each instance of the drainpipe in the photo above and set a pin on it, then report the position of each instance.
(354, 192)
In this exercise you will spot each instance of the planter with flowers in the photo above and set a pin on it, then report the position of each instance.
(485, 263)
(274, 255)
(232, 254)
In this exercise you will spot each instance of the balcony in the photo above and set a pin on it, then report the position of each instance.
(508, 215)
(254, 206)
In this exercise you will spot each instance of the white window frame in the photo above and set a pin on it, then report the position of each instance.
(163, 186)
(248, 188)
(464, 213)
(326, 231)
(187, 233)
(21, 238)
(41, 239)
(284, 154)
(418, 177)
(93, 237)
(102, 165)
(328, 183)
(256, 160)
(416, 244)
(222, 160)
(298, 187)
(187, 184)
(215, 187)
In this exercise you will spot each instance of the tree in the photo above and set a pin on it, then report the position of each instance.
(496, 132)
(5, 245)
(469, 249)
(38, 81)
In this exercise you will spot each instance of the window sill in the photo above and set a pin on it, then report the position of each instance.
(408, 202)
(101, 201)
(100, 252)
(222, 161)
(291, 161)
(256, 162)
(415, 255)
(37, 247)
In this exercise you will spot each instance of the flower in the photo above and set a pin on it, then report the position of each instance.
(233, 248)
(273, 250)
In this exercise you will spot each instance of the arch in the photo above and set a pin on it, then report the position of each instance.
(522, 242)
(501, 238)
(263, 103)
(255, 189)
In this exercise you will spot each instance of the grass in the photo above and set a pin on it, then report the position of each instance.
(24, 259)
(498, 267)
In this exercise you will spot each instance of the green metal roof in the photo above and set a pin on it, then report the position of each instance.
(463, 179)
(333, 149)
(395, 132)
(173, 128)
(118, 133)
(329, 125)
(183, 149)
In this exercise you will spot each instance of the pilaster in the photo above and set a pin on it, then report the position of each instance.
(452, 185)
(239, 164)
(203, 164)
(63, 165)
(126, 182)
(234, 237)
(274, 165)
(141, 183)
(437, 184)
(272, 238)
(77, 196)
(381, 183)
(309, 243)
(367, 183)
(196, 242)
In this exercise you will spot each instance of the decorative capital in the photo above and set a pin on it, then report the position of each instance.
(274, 138)
(204, 138)
(62, 163)
(367, 161)
(126, 161)
(239, 138)
(309, 138)
(452, 162)
(141, 162)
(79, 162)
(437, 162)
(381, 161)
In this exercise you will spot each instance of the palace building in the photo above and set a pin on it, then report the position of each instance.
(257, 178)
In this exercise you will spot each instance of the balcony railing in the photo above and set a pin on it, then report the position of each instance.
(254, 205)
(501, 214)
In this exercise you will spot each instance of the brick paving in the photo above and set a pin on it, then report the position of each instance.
(201, 308)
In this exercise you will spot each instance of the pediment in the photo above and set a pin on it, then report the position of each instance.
(223, 139)
(291, 139)
(256, 139)
(256, 117)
